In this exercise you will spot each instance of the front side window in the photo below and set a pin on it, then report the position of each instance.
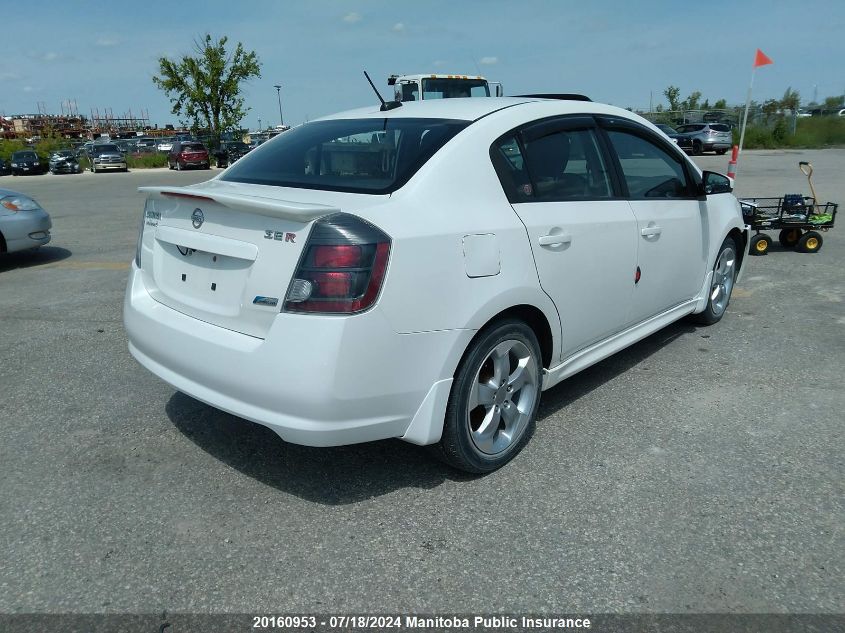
(354, 155)
(648, 170)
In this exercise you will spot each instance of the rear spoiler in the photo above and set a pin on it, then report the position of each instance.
(297, 211)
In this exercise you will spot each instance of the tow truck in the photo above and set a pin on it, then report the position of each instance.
(433, 86)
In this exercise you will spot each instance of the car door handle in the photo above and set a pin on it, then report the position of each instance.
(555, 239)
(651, 231)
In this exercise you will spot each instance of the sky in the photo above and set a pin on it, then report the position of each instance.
(104, 55)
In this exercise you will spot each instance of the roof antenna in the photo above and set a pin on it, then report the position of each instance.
(385, 105)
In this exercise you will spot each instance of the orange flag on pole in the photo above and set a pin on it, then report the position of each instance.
(761, 59)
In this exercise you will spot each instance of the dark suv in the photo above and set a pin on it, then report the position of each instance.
(27, 162)
(704, 137)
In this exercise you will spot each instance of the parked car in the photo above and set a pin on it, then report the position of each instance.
(230, 151)
(106, 157)
(669, 131)
(363, 292)
(704, 137)
(64, 161)
(27, 162)
(186, 154)
(5, 167)
(165, 145)
(23, 223)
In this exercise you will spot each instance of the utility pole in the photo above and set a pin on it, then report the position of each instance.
(259, 124)
(278, 88)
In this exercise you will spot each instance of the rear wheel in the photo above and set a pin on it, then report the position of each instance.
(493, 404)
(697, 149)
(810, 242)
(760, 244)
(179, 166)
(788, 238)
(722, 284)
(721, 152)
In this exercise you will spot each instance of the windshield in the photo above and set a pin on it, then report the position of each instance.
(106, 148)
(454, 88)
(355, 155)
(24, 156)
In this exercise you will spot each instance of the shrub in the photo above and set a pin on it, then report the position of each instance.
(146, 161)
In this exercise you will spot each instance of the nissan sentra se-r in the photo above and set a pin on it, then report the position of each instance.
(424, 272)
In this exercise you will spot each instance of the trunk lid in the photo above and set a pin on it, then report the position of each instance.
(225, 253)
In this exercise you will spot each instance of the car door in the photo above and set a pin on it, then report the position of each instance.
(582, 233)
(670, 218)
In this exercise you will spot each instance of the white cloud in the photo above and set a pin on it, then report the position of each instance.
(7, 76)
(50, 57)
(398, 27)
(488, 61)
(352, 18)
(27, 88)
(108, 41)
(439, 63)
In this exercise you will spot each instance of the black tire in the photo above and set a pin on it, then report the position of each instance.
(463, 430)
(759, 244)
(789, 238)
(697, 149)
(724, 278)
(721, 152)
(810, 242)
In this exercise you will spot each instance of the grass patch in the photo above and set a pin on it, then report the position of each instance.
(810, 133)
(146, 161)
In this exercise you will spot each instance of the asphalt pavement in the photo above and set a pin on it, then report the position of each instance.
(700, 470)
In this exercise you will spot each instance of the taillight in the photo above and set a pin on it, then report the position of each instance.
(342, 267)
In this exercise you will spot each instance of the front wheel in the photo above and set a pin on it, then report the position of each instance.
(494, 399)
(810, 242)
(760, 244)
(721, 285)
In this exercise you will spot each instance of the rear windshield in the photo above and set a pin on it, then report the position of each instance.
(719, 127)
(198, 146)
(690, 128)
(355, 155)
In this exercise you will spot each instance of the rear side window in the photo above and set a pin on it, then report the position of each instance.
(564, 165)
(354, 155)
(648, 170)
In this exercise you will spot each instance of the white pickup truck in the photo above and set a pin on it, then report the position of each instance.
(432, 86)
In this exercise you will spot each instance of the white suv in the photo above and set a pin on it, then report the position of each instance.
(424, 272)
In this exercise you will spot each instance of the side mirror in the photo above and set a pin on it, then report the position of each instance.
(713, 183)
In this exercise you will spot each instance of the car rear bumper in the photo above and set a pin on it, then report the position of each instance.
(314, 380)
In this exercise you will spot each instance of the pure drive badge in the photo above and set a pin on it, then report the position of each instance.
(265, 301)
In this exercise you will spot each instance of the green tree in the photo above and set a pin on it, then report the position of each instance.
(832, 103)
(721, 104)
(706, 104)
(691, 102)
(791, 100)
(672, 94)
(206, 88)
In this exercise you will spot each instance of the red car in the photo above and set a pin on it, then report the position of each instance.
(186, 154)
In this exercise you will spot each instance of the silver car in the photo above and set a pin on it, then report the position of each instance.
(23, 223)
(704, 137)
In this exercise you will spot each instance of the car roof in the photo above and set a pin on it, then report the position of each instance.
(468, 109)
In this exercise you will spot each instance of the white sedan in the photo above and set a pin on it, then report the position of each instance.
(424, 272)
